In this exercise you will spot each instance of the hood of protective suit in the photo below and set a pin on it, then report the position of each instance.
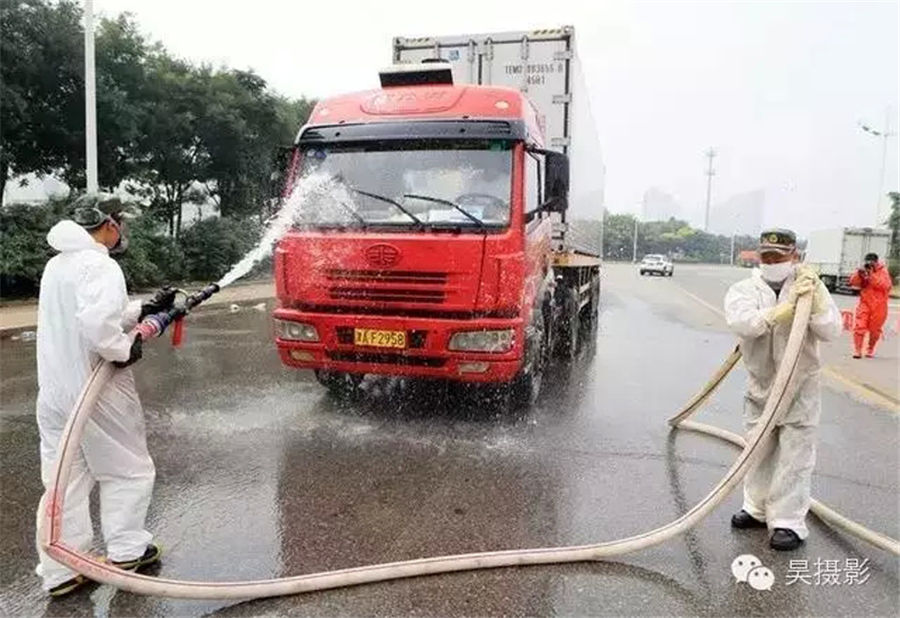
(69, 236)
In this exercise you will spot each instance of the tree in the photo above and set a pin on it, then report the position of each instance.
(242, 130)
(893, 222)
(41, 86)
(170, 153)
(23, 245)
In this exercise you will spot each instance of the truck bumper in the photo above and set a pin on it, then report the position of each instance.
(427, 354)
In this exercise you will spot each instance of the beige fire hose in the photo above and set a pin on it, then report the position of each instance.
(820, 510)
(96, 569)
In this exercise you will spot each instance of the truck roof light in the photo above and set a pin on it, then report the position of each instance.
(434, 72)
(501, 104)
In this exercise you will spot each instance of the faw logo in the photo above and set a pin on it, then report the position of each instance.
(382, 255)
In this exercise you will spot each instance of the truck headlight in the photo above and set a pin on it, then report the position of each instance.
(483, 341)
(297, 331)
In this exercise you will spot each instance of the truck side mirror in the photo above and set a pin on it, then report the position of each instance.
(556, 182)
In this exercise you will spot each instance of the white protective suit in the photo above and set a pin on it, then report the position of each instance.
(83, 313)
(777, 490)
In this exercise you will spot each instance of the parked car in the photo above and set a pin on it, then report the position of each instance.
(657, 265)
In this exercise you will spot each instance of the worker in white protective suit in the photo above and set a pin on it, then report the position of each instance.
(84, 317)
(760, 310)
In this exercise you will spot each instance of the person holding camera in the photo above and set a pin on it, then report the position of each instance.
(874, 285)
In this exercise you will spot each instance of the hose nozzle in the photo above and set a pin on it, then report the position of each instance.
(155, 325)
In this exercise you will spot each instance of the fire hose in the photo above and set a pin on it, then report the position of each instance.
(779, 400)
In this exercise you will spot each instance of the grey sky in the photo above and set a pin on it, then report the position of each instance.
(778, 88)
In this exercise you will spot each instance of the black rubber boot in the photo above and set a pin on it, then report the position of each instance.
(785, 540)
(151, 555)
(742, 519)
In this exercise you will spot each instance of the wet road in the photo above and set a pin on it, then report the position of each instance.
(261, 474)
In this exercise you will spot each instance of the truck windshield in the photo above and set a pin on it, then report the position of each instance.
(412, 184)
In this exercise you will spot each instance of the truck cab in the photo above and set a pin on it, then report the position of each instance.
(425, 250)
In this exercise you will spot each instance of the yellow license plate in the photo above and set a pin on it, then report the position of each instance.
(379, 338)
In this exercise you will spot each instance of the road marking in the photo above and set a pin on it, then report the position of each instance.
(863, 391)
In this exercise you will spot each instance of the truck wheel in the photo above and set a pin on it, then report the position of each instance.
(590, 319)
(569, 325)
(830, 282)
(523, 391)
(339, 384)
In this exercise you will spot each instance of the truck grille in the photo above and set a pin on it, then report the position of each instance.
(387, 286)
(387, 276)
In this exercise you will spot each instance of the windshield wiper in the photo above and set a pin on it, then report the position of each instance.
(353, 212)
(382, 198)
(438, 200)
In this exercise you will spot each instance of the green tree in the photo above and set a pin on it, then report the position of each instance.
(23, 245)
(893, 222)
(41, 86)
(212, 246)
(242, 129)
(172, 157)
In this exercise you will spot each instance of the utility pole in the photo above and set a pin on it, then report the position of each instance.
(710, 172)
(90, 100)
(883, 135)
(634, 244)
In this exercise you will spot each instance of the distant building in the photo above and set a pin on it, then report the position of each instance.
(739, 214)
(658, 205)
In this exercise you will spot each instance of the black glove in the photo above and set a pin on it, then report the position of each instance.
(162, 300)
(137, 351)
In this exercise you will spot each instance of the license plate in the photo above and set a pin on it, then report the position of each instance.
(379, 338)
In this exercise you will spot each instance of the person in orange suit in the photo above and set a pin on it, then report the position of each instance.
(874, 285)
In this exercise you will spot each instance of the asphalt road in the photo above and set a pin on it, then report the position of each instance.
(261, 474)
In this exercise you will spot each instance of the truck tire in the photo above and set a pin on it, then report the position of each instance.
(339, 384)
(590, 319)
(569, 326)
(525, 388)
(830, 282)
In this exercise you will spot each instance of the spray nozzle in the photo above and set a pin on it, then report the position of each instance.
(155, 325)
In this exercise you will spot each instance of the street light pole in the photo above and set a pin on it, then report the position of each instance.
(634, 244)
(710, 172)
(90, 101)
(883, 135)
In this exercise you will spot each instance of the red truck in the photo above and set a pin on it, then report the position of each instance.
(452, 261)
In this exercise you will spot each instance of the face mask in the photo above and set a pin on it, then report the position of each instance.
(122, 244)
(776, 273)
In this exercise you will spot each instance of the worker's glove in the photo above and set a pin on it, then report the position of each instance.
(821, 299)
(801, 287)
(779, 314)
(137, 351)
(805, 271)
(162, 300)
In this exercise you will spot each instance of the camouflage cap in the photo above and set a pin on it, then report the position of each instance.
(777, 240)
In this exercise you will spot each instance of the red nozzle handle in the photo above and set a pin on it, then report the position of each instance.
(177, 332)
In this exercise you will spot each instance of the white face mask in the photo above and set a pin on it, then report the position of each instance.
(776, 273)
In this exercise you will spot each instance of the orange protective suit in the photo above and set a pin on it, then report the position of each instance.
(872, 309)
